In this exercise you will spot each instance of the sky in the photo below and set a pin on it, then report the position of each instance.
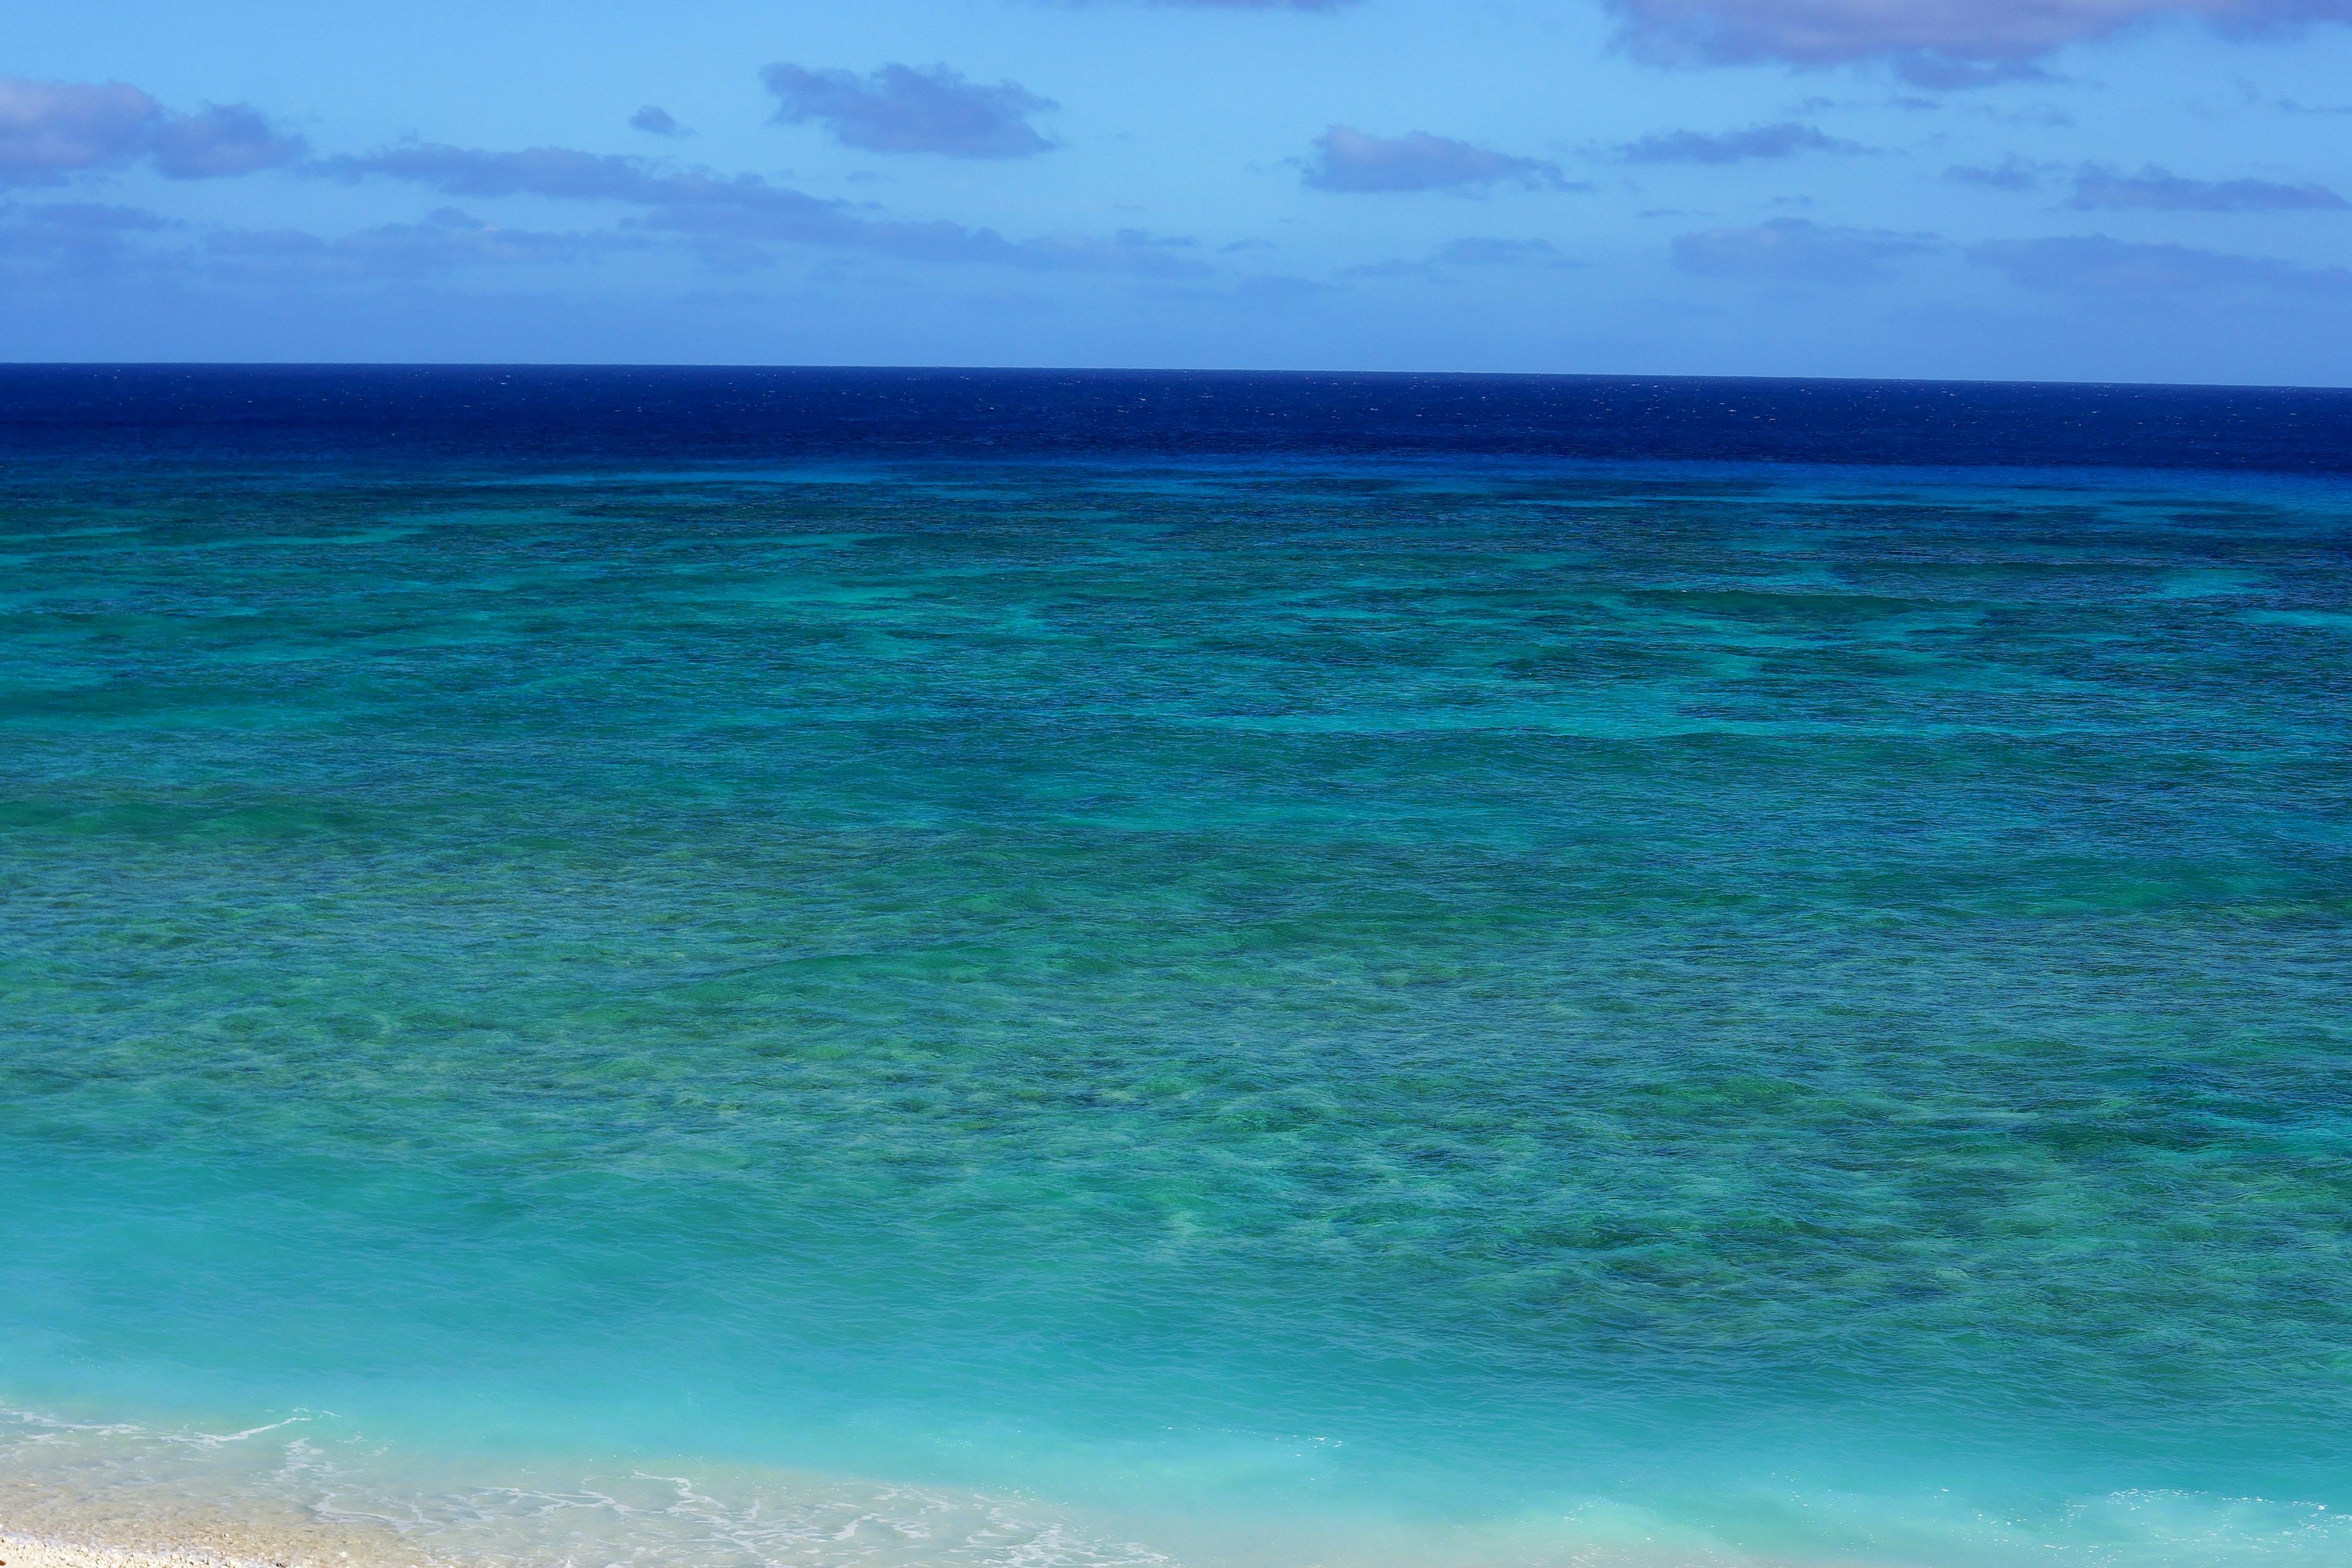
(2080, 190)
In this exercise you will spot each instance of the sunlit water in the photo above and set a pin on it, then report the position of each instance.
(1204, 1012)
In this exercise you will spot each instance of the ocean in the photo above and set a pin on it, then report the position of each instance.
(730, 968)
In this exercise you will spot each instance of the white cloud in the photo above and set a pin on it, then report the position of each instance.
(1352, 160)
(899, 109)
(50, 131)
(1936, 42)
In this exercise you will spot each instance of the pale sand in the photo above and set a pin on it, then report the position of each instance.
(22, 1552)
(222, 1548)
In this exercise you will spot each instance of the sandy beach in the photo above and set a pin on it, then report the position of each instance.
(212, 1542)
(31, 1552)
(254, 1552)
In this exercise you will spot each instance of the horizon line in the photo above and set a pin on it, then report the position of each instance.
(7, 365)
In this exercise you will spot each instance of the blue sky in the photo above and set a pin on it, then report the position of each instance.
(2064, 189)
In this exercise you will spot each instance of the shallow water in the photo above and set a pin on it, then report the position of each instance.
(1212, 1011)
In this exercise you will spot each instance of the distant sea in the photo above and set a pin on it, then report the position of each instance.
(926, 969)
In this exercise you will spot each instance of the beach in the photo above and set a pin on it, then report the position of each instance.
(234, 1549)
(26, 1551)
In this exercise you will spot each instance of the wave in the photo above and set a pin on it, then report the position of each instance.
(300, 1490)
(308, 1492)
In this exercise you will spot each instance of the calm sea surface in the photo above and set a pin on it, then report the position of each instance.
(722, 969)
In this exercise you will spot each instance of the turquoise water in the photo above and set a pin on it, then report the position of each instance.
(1208, 1013)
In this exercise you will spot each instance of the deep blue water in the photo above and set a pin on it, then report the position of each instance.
(1036, 967)
(525, 415)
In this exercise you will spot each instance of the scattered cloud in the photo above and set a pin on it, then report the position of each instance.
(1276, 289)
(82, 240)
(1785, 140)
(52, 128)
(1351, 161)
(87, 218)
(1476, 251)
(2041, 116)
(2098, 265)
(2011, 173)
(1933, 43)
(1481, 250)
(2102, 189)
(655, 120)
(75, 238)
(729, 217)
(1908, 102)
(50, 131)
(1274, 292)
(219, 142)
(902, 109)
(1797, 250)
(558, 172)
(446, 239)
